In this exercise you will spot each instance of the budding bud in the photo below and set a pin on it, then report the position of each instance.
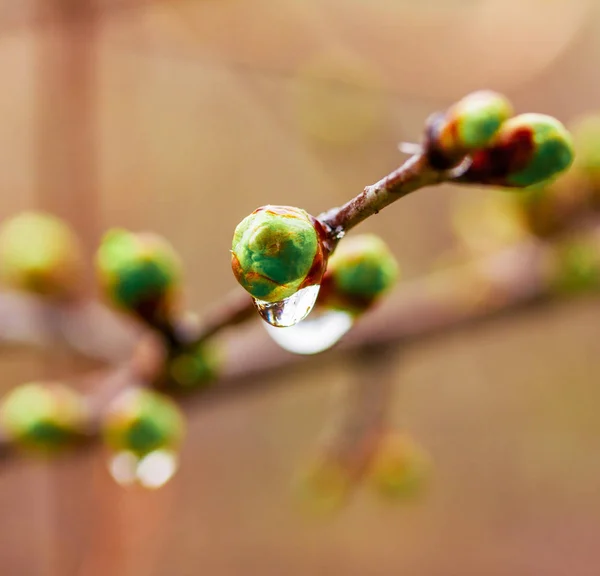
(195, 367)
(139, 273)
(359, 272)
(43, 417)
(276, 251)
(586, 136)
(39, 253)
(528, 149)
(469, 124)
(324, 486)
(142, 421)
(575, 266)
(399, 467)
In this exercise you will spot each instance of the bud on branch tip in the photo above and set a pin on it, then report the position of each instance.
(276, 251)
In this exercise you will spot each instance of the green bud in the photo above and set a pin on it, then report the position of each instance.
(399, 468)
(276, 251)
(142, 421)
(39, 253)
(196, 367)
(474, 120)
(485, 222)
(360, 271)
(43, 417)
(324, 485)
(139, 273)
(528, 149)
(586, 137)
(576, 266)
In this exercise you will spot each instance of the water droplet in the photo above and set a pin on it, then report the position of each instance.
(123, 468)
(340, 233)
(151, 471)
(291, 310)
(157, 468)
(320, 331)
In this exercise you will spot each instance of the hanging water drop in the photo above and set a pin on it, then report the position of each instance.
(320, 331)
(290, 310)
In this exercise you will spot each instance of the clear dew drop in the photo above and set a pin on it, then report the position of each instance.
(157, 468)
(320, 331)
(291, 310)
(151, 471)
(123, 468)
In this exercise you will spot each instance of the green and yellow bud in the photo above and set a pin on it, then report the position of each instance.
(196, 367)
(360, 271)
(527, 150)
(586, 138)
(142, 421)
(469, 124)
(276, 251)
(575, 266)
(43, 416)
(487, 221)
(474, 120)
(140, 273)
(324, 485)
(399, 467)
(39, 253)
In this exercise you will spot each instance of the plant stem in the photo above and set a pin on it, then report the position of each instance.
(414, 174)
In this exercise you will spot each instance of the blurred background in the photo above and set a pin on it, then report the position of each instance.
(181, 117)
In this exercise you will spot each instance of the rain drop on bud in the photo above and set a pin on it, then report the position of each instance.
(289, 311)
(319, 332)
(279, 256)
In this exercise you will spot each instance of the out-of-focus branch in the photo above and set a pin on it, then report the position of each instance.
(445, 300)
(88, 328)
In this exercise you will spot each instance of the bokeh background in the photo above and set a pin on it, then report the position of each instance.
(182, 116)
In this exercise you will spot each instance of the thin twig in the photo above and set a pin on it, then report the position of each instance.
(414, 174)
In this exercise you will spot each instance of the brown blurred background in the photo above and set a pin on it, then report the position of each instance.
(181, 116)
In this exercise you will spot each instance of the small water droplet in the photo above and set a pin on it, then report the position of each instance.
(123, 468)
(151, 471)
(320, 331)
(340, 233)
(291, 310)
(157, 468)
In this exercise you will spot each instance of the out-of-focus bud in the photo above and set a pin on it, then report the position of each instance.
(399, 468)
(141, 421)
(469, 124)
(324, 485)
(489, 221)
(43, 416)
(139, 273)
(195, 367)
(527, 149)
(39, 253)
(575, 266)
(586, 138)
(276, 251)
(360, 271)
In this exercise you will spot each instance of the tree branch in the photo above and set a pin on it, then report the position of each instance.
(414, 174)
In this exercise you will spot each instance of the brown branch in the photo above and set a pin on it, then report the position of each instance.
(446, 300)
(87, 328)
(414, 174)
